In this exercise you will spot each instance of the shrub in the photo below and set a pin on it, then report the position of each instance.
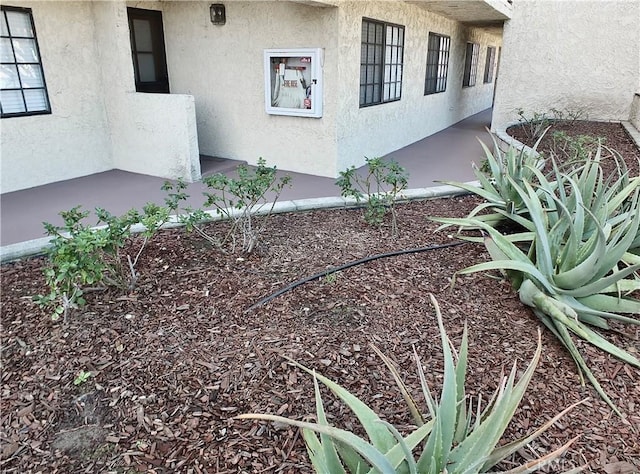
(380, 187)
(243, 201)
(83, 256)
(459, 436)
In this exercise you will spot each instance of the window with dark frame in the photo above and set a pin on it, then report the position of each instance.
(381, 56)
(488, 65)
(23, 90)
(471, 65)
(437, 63)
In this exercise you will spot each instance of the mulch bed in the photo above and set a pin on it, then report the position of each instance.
(174, 360)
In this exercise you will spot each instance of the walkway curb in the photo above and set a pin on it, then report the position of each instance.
(9, 253)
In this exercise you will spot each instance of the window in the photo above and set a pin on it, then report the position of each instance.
(380, 62)
(437, 63)
(22, 87)
(488, 65)
(471, 65)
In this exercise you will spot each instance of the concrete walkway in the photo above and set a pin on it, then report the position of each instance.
(447, 155)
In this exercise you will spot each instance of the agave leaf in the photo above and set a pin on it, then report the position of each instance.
(354, 463)
(604, 282)
(539, 219)
(449, 397)
(461, 374)
(613, 304)
(378, 434)
(492, 197)
(583, 273)
(546, 306)
(597, 340)
(366, 450)
(536, 464)
(411, 403)
(329, 453)
(529, 269)
(431, 404)
(631, 258)
(407, 456)
(441, 439)
(397, 455)
(506, 450)
(482, 441)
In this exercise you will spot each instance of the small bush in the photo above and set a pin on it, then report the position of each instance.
(83, 256)
(243, 201)
(380, 186)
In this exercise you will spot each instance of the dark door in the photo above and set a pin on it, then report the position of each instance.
(147, 50)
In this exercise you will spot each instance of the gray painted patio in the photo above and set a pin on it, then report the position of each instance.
(446, 155)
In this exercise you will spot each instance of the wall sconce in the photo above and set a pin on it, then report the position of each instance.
(218, 14)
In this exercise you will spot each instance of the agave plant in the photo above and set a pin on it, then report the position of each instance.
(458, 436)
(496, 188)
(577, 271)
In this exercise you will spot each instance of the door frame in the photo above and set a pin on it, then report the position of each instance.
(161, 84)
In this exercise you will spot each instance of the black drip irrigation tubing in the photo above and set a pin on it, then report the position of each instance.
(349, 265)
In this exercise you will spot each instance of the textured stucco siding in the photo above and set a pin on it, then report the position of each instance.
(571, 56)
(222, 67)
(380, 129)
(98, 121)
(73, 140)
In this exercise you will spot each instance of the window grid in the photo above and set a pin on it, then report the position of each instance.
(488, 66)
(471, 65)
(437, 63)
(23, 89)
(381, 58)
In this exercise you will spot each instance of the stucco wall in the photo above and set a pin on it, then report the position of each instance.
(73, 140)
(380, 129)
(571, 56)
(150, 133)
(98, 121)
(222, 67)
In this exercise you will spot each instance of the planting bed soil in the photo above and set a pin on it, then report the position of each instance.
(175, 359)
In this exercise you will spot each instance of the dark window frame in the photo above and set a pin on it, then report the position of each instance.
(47, 110)
(381, 62)
(489, 64)
(471, 64)
(438, 50)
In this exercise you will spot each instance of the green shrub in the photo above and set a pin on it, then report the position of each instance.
(243, 201)
(380, 187)
(460, 436)
(83, 256)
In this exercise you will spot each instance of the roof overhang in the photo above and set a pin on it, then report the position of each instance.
(473, 12)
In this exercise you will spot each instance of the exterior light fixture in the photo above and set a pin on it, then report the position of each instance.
(218, 14)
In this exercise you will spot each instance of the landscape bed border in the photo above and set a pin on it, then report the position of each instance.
(17, 251)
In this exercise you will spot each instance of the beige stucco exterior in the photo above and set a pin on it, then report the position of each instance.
(221, 66)
(577, 56)
(74, 140)
(216, 105)
(98, 121)
(378, 130)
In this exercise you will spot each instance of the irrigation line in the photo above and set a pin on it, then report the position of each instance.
(349, 265)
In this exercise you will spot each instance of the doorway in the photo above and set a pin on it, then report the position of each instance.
(147, 50)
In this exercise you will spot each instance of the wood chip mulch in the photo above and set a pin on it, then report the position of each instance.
(173, 361)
